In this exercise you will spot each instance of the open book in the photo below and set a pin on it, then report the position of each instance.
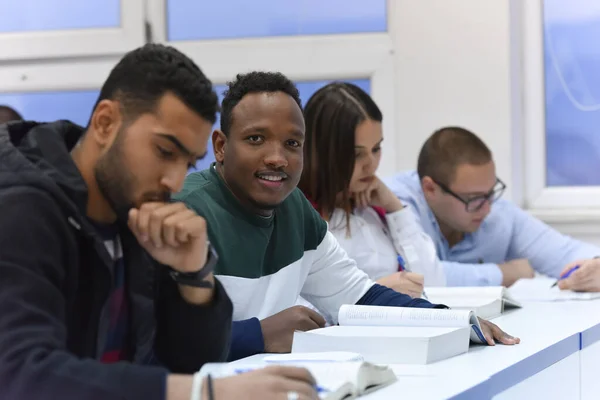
(393, 335)
(540, 289)
(487, 302)
(335, 380)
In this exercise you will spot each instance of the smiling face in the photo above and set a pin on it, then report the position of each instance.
(261, 159)
(148, 158)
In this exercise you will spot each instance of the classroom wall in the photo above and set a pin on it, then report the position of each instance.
(453, 67)
(459, 62)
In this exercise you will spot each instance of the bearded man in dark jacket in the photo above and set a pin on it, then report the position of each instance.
(99, 271)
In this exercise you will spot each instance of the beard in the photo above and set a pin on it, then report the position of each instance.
(115, 181)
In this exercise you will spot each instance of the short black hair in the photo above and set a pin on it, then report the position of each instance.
(149, 72)
(446, 149)
(254, 82)
(8, 114)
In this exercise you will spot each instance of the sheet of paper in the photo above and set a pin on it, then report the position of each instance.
(466, 302)
(480, 292)
(539, 289)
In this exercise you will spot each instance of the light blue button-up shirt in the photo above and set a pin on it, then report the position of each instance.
(507, 233)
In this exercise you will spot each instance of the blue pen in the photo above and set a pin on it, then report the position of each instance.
(565, 276)
(243, 370)
(401, 263)
(402, 267)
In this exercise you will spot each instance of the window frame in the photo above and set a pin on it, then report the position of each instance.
(339, 56)
(20, 46)
(56, 76)
(544, 200)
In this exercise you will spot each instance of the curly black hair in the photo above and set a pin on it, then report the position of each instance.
(254, 82)
(147, 73)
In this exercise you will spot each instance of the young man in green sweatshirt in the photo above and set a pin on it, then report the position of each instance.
(273, 245)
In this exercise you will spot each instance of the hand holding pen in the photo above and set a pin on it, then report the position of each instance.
(581, 276)
(565, 276)
(404, 281)
(402, 267)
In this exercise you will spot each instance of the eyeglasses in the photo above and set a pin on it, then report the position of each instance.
(475, 203)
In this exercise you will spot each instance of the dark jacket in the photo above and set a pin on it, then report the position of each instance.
(55, 280)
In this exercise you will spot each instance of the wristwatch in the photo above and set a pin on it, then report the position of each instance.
(196, 279)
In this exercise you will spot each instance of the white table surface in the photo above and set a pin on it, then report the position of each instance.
(549, 332)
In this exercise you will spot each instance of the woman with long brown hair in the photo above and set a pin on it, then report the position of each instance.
(342, 151)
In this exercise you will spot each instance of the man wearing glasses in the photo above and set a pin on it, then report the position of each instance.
(452, 193)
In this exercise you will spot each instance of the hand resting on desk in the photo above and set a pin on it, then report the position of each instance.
(494, 334)
(514, 270)
(278, 330)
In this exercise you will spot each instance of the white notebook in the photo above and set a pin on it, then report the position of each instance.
(335, 380)
(393, 335)
(540, 289)
(487, 302)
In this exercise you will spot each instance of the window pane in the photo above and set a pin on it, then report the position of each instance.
(77, 105)
(572, 91)
(50, 106)
(194, 19)
(306, 89)
(36, 15)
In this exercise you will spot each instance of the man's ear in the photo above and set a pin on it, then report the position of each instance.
(219, 140)
(105, 122)
(428, 186)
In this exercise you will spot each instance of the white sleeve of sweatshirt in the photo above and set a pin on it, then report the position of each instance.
(334, 279)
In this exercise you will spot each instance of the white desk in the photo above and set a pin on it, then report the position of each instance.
(589, 358)
(558, 358)
(548, 351)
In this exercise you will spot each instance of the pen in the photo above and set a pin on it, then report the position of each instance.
(238, 371)
(565, 276)
(402, 267)
(401, 264)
